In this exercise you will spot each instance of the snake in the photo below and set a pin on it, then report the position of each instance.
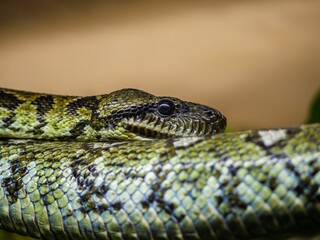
(131, 165)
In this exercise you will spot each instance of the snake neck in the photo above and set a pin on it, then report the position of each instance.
(42, 116)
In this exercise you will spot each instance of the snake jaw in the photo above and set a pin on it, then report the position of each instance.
(151, 125)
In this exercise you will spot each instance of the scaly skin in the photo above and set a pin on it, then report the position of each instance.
(228, 186)
(127, 114)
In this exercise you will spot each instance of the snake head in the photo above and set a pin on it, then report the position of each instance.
(131, 114)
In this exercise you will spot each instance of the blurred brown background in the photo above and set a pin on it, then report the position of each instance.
(256, 61)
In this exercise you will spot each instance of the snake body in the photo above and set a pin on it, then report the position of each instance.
(129, 165)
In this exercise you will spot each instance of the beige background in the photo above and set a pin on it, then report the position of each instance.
(256, 61)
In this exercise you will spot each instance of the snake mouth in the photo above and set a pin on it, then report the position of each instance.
(183, 127)
(148, 133)
(205, 128)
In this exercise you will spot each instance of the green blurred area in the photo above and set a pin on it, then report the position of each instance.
(314, 114)
(12, 236)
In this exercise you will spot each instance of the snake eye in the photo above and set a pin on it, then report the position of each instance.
(166, 107)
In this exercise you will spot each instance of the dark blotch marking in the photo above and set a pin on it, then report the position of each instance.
(78, 129)
(151, 197)
(90, 103)
(117, 206)
(90, 205)
(170, 207)
(10, 102)
(145, 204)
(103, 207)
(290, 166)
(43, 104)
(233, 170)
(103, 188)
(272, 183)
(83, 210)
(86, 196)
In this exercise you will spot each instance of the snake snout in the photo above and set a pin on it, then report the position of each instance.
(221, 123)
(213, 118)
